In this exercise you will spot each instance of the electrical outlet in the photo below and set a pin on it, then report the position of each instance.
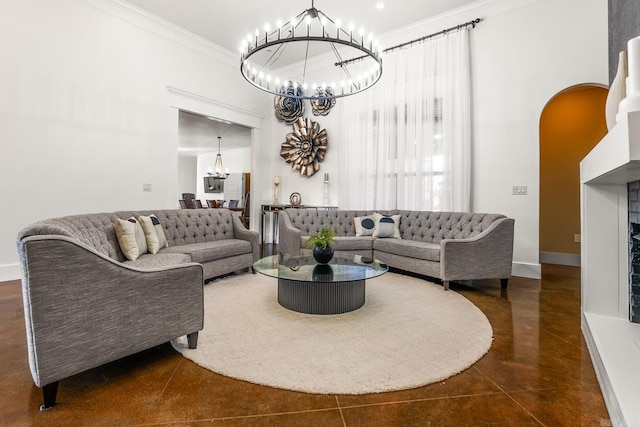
(577, 238)
(519, 190)
(146, 187)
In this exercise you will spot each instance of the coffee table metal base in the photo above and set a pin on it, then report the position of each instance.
(321, 297)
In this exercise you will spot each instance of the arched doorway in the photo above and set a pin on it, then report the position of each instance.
(571, 124)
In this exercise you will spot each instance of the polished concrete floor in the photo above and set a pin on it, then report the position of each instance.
(537, 373)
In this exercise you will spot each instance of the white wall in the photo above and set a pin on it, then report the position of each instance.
(522, 58)
(237, 161)
(523, 53)
(187, 175)
(85, 117)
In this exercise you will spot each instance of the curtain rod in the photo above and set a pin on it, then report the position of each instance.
(409, 43)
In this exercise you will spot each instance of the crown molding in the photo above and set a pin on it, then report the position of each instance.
(146, 21)
(480, 7)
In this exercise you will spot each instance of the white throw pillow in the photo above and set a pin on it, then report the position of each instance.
(386, 226)
(153, 232)
(364, 225)
(131, 238)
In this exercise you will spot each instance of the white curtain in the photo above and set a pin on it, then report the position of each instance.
(406, 142)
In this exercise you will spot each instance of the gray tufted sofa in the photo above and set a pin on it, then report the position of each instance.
(445, 245)
(86, 305)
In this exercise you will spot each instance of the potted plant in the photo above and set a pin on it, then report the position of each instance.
(321, 244)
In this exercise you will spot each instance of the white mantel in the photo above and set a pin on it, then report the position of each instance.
(613, 341)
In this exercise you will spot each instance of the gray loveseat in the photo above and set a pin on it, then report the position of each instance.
(445, 245)
(86, 305)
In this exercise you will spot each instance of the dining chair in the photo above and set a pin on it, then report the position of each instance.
(189, 197)
(246, 210)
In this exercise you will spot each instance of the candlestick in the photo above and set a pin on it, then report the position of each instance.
(325, 192)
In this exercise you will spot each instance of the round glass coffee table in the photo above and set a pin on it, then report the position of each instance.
(308, 287)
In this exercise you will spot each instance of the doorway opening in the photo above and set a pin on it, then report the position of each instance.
(571, 124)
(209, 116)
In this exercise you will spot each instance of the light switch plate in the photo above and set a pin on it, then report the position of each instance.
(519, 190)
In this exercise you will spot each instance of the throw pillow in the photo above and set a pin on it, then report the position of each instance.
(153, 232)
(364, 225)
(131, 238)
(387, 226)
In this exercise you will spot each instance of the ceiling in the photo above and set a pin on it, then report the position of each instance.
(198, 135)
(227, 23)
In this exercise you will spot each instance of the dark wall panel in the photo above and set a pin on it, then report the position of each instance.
(624, 24)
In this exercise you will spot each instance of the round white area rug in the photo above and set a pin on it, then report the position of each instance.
(409, 333)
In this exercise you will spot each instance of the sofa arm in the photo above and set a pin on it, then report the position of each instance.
(83, 309)
(489, 255)
(242, 233)
(288, 235)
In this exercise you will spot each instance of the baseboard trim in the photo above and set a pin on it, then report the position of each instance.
(10, 272)
(527, 270)
(572, 260)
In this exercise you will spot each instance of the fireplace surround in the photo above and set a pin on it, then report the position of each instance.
(607, 174)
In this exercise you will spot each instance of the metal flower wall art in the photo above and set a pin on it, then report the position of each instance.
(322, 106)
(289, 109)
(305, 147)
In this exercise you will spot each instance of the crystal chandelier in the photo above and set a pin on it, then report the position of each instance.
(218, 169)
(277, 61)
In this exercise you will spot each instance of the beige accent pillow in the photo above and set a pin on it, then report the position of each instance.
(131, 238)
(365, 225)
(153, 232)
(386, 226)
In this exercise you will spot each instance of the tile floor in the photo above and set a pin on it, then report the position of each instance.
(537, 373)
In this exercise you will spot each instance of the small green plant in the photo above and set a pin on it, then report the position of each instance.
(324, 238)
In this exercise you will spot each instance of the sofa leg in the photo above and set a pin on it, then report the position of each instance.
(504, 283)
(192, 340)
(445, 283)
(49, 393)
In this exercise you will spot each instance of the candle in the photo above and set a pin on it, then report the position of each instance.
(633, 48)
(276, 179)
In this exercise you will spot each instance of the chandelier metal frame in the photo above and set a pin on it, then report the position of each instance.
(218, 168)
(330, 32)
